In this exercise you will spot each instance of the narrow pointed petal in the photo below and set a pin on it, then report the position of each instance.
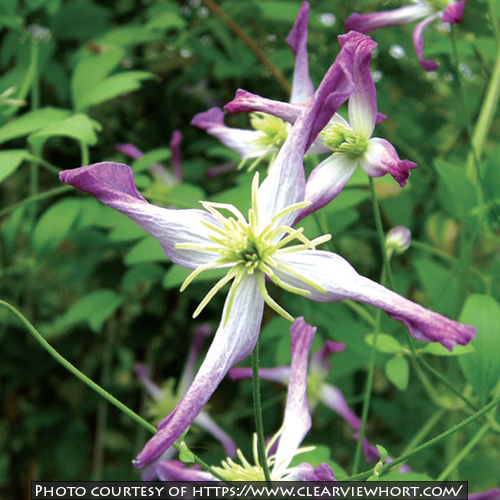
(129, 150)
(113, 185)
(454, 12)
(205, 422)
(334, 399)
(188, 372)
(381, 158)
(244, 142)
(233, 341)
(302, 87)
(327, 181)
(279, 374)
(340, 281)
(493, 494)
(246, 102)
(175, 148)
(363, 101)
(397, 17)
(174, 470)
(418, 43)
(297, 421)
(142, 371)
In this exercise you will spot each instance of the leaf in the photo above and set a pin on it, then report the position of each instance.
(150, 158)
(111, 87)
(457, 193)
(54, 225)
(79, 127)
(10, 161)
(383, 453)
(31, 122)
(385, 343)
(94, 309)
(482, 368)
(397, 370)
(92, 69)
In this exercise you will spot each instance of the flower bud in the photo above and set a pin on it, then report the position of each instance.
(398, 240)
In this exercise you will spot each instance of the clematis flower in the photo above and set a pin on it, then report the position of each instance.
(317, 389)
(296, 424)
(449, 11)
(350, 142)
(269, 133)
(251, 250)
(167, 177)
(165, 399)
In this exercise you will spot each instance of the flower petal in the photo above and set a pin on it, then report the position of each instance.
(233, 341)
(302, 88)
(418, 43)
(142, 371)
(340, 281)
(246, 102)
(320, 360)
(306, 472)
(326, 182)
(175, 148)
(244, 142)
(205, 422)
(453, 12)
(173, 470)
(381, 158)
(130, 150)
(297, 421)
(113, 185)
(279, 374)
(334, 399)
(363, 101)
(397, 17)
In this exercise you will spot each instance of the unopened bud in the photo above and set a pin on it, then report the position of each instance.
(398, 240)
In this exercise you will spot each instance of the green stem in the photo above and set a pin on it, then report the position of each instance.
(464, 452)
(486, 114)
(261, 446)
(430, 443)
(43, 163)
(425, 429)
(35, 198)
(95, 387)
(380, 232)
(84, 153)
(360, 311)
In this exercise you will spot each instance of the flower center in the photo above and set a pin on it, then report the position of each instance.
(275, 130)
(159, 407)
(340, 139)
(247, 249)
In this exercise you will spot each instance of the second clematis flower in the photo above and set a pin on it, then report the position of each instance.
(449, 11)
(349, 142)
(258, 247)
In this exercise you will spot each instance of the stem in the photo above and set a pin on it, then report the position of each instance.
(95, 387)
(429, 443)
(85, 153)
(360, 311)
(463, 453)
(35, 198)
(380, 233)
(261, 447)
(240, 33)
(425, 429)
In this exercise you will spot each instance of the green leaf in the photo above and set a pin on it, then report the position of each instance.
(385, 343)
(31, 122)
(54, 225)
(456, 191)
(151, 157)
(397, 370)
(10, 161)
(111, 87)
(92, 69)
(146, 250)
(79, 127)
(482, 368)
(94, 309)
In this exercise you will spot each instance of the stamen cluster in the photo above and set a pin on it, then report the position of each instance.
(341, 139)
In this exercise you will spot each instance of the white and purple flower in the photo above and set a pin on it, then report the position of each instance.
(296, 424)
(449, 11)
(255, 249)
